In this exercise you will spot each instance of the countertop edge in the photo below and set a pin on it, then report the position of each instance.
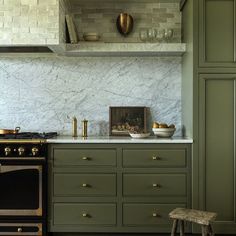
(124, 140)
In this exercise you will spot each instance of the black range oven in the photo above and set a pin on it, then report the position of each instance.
(23, 186)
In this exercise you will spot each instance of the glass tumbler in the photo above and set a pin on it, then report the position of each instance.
(152, 34)
(160, 35)
(143, 35)
(168, 34)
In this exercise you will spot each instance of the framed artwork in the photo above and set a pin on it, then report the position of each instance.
(123, 120)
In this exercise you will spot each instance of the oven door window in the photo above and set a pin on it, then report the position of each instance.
(21, 190)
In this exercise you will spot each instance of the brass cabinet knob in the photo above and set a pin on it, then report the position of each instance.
(156, 158)
(85, 185)
(21, 151)
(7, 151)
(85, 215)
(35, 151)
(156, 185)
(154, 214)
(19, 230)
(85, 158)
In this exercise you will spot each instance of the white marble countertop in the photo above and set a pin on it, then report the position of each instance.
(107, 139)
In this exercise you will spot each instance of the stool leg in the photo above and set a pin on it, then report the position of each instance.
(174, 227)
(204, 230)
(210, 231)
(181, 228)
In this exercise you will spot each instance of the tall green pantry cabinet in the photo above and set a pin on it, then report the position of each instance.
(209, 83)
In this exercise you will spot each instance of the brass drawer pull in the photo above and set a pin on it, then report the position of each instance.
(85, 215)
(156, 158)
(156, 185)
(154, 214)
(85, 185)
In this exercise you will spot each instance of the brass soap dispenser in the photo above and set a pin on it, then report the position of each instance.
(84, 128)
(74, 127)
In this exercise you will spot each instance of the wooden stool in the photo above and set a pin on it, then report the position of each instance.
(202, 218)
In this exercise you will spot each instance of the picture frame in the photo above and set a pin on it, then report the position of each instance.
(123, 120)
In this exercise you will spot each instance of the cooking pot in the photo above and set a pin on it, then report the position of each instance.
(10, 131)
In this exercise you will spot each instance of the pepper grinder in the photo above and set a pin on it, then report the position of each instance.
(84, 128)
(74, 127)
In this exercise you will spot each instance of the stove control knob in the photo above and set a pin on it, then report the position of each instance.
(7, 151)
(35, 151)
(21, 151)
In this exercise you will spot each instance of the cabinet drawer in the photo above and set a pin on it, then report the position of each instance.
(84, 214)
(84, 184)
(154, 184)
(154, 158)
(84, 157)
(147, 214)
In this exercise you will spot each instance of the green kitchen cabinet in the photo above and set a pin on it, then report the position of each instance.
(217, 26)
(217, 147)
(123, 188)
(208, 106)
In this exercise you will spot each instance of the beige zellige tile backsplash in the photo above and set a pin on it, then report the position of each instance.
(92, 16)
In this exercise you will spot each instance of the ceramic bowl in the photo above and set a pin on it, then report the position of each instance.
(164, 132)
(91, 36)
(141, 135)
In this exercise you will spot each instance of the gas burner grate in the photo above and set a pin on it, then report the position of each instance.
(29, 135)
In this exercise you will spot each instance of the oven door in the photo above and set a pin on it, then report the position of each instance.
(21, 190)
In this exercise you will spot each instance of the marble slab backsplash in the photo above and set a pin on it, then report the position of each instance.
(44, 93)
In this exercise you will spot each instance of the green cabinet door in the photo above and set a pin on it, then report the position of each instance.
(217, 33)
(217, 148)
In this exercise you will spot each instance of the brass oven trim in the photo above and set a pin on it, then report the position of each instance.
(36, 141)
(39, 233)
(37, 212)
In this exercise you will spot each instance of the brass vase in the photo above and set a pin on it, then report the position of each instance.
(124, 23)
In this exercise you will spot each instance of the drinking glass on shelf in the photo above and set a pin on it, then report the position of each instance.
(152, 34)
(160, 35)
(168, 34)
(143, 35)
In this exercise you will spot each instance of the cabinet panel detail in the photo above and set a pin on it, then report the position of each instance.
(217, 33)
(71, 184)
(84, 157)
(84, 214)
(217, 132)
(148, 214)
(154, 184)
(154, 158)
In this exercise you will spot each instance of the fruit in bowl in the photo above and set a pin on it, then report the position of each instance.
(163, 130)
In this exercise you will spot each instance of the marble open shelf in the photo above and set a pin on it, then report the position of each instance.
(123, 49)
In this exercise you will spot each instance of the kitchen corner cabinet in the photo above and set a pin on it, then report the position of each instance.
(117, 187)
(217, 147)
(217, 22)
(209, 75)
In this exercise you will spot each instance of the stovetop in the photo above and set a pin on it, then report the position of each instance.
(29, 135)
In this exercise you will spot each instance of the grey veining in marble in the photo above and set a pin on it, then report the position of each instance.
(43, 93)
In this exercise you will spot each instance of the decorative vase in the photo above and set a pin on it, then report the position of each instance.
(124, 23)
